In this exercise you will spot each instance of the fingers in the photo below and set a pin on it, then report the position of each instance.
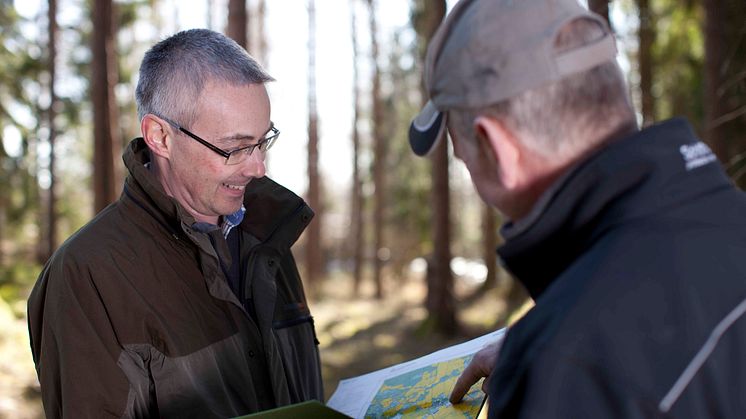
(467, 379)
(480, 366)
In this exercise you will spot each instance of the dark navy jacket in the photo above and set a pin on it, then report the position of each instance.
(637, 262)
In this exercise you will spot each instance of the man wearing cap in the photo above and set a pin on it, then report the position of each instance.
(630, 241)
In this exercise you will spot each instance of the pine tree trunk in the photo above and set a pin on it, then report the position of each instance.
(379, 165)
(356, 217)
(238, 22)
(489, 245)
(601, 7)
(107, 143)
(645, 61)
(261, 38)
(440, 302)
(314, 254)
(725, 84)
(51, 114)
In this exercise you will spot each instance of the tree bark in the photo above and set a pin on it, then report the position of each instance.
(51, 115)
(238, 22)
(261, 38)
(601, 7)
(725, 84)
(440, 302)
(489, 243)
(314, 254)
(356, 217)
(646, 34)
(107, 143)
(379, 164)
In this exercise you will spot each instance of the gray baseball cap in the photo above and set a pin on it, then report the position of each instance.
(487, 51)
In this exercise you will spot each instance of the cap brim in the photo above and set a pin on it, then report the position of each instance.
(426, 130)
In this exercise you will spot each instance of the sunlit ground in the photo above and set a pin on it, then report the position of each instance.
(364, 334)
(357, 335)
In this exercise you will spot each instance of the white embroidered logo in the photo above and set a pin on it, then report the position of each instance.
(696, 155)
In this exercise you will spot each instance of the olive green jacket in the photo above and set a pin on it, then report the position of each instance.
(133, 316)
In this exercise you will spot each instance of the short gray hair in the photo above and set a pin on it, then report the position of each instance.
(174, 72)
(565, 117)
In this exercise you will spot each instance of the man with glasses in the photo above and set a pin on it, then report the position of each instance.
(182, 299)
(631, 242)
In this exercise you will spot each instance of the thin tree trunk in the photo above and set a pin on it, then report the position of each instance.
(379, 165)
(356, 218)
(261, 47)
(602, 8)
(209, 14)
(645, 58)
(51, 114)
(314, 254)
(489, 243)
(714, 61)
(440, 302)
(238, 22)
(105, 113)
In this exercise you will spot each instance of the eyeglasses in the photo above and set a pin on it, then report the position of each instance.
(240, 154)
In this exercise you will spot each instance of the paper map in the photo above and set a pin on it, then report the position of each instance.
(414, 389)
(423, 393)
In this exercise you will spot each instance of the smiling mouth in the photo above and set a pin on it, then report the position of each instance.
(235, 187)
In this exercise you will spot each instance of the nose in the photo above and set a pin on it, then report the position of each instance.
(254, 166)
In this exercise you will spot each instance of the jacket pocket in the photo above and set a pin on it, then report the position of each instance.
(298, 346)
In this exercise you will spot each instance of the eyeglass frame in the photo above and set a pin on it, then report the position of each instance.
(226, 154)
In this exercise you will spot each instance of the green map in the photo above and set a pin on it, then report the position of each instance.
(423, 393)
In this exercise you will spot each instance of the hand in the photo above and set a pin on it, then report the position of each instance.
(480, 366)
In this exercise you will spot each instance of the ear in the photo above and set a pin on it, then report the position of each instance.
(506, 150)
(157, 133)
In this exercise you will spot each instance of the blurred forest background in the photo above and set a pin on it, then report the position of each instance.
(400, 259)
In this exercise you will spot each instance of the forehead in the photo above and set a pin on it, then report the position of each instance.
(230, 109)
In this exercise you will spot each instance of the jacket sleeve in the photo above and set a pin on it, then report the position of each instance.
(573, 388)
(74, 346)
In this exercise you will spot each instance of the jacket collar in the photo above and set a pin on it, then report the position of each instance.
(274, 214)
(632, 177)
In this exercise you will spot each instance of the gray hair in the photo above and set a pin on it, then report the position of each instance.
(565, 117)
(174, 72)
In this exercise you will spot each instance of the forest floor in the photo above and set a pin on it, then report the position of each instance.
(357, 335)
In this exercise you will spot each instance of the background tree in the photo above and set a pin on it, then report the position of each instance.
(356, 238)
(260, 47)
(646, 39)
(238, 22)
(489, 245)
(51, 242)
(602, 8)
(440, 301)
(380, 151)
(314, 253)
(725, 83)
(104, 77)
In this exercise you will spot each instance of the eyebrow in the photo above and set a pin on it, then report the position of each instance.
(243, 137)
(237, 137)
